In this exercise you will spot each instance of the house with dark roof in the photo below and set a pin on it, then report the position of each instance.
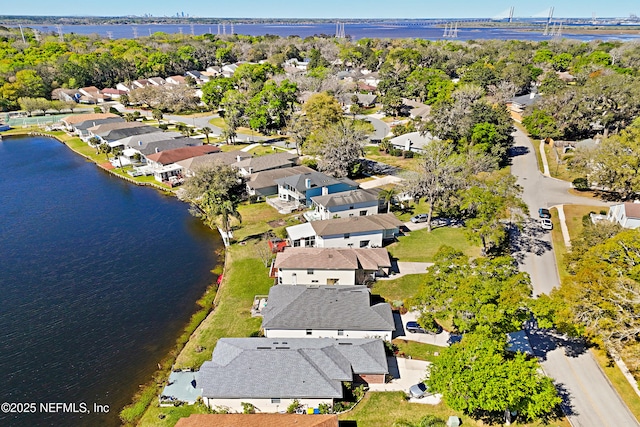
(330, 266)
(358, 202)
(82, 129)
(413, 141)
(625, 214)
(263, 184)
(517, 104)
(265, 163)
(325, 312)
(270, 373)
(301, 188)
(351, 232)
(110, 132)
(71, 121)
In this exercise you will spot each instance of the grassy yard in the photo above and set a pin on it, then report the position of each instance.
(619, 382)
(398, 289)
(255, 218)
(385, 408)
(417, 350)
(373, 153)
(421, 246)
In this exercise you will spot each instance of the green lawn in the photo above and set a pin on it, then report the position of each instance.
(398, 289)
(422, 245)
(373, 153)
(385, 408)
(417, 350)
(619, 382)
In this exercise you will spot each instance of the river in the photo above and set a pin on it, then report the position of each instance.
(357, 31)
(98, 277)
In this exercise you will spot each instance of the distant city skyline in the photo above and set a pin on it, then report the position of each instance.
(326, 9)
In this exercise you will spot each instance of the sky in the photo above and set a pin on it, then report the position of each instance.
(342, 9)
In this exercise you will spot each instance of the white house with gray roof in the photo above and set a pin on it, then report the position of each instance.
(358, 202)
(265, 163)
(351, 232)
(325, 312)
(301, 188)
(330, 266)
(272, 373)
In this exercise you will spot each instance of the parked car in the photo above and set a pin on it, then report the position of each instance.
(419, 390)
(454, 338)
(419, 218)
(415, 328)
(546, 224)
(544, 213)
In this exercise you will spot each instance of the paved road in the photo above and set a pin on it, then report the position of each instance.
(589, 399)
(532, 248)
(381, 128)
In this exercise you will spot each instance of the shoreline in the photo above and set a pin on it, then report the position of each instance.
(132, 412)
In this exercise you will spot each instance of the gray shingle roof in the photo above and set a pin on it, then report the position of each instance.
(347, 197)
(325, 307)
(333, 258)
(267, 178)
(288, 368)
(167, 144)
(270, 161)
(356, 224)
(91, 123)
(317, 179)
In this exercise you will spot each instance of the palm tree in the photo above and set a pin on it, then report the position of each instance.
(104, 148)
(216, 208)
(387, 195)
(117, 153)
(206, 130)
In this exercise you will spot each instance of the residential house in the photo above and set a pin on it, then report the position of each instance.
(176, 80)
(358, 202)
(262, 184)
(413, 141)
(124, 87)
(71, 121)
(265, 163)
(259, 420)
(330, 266)
(350, 232)
(198, 76)
(190, 166)
(157, 81)
(158, 145)
(137, 141)
(518, 104)
(110, 132)
(416, 109)
(271, 373)
(90, 95)
(163, 163)
(113, 93)
(139, 84)
(625, 214)
(214, 71)
(371, 78)
(299, 189)
(82, 129)
(65, 94)
(295, 63)
(325, 312)
(229, 69)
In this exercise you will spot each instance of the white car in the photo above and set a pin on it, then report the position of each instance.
(546, 224)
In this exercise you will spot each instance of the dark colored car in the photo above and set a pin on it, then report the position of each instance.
(544, 213)
(414, 328)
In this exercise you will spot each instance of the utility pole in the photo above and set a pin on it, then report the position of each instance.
(511, 14)
(60, 36)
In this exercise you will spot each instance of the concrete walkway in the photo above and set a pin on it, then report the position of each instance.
(249, 147)
(405, 373)
(563, 226)
(379, 182)
(545, 164)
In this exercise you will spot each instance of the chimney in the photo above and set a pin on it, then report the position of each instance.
(307, 183)
(157, 150)
(139, 143)
(238, 158)
(532, 95)
(250, 170)
(325, 191)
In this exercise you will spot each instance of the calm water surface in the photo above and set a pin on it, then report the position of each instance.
(97, 279)
(356, 31)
